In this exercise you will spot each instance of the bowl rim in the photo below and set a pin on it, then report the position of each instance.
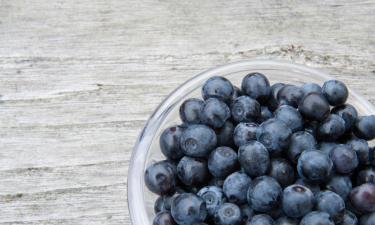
(142, 144)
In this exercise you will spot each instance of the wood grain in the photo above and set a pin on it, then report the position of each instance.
(78, 79)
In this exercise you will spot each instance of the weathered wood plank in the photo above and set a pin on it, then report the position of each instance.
(66, 177)
(78, 79)
(65, 204)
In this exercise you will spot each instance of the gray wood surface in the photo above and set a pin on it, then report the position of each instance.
(78, 79)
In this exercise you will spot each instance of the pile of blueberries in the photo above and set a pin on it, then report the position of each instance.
(266, 155)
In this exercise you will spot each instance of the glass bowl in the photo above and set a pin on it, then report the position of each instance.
(146, 150)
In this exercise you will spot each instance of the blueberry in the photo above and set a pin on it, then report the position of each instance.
(244, 132)
(290, 116)
(363, 198)
(191, 189)
(341, 185)
(192, 171)
(190, 111)
(170, 142)
(245, 109)
(364, 127)
(372, 155)
(347, 136)
(163, 204)
(290, 95)
(188, 189)
(261, 219)
(235, 185)
(297, 201)
(237, 92)
(362, 149)
(160, 178)
(331, 128)
(327, 147)
(216, 181)
(311, 126)
(159, 205)
(275, 213)
(282, 171)
(265, 114)
(349, 218)
(368, 219)
(331, 203)
(317, 218)
(264, 194)
(314, 107)
(314, 166)
(257, 86)
(181, 189)
(214, 113)
(344, 159)
(213, 197)
(218, 87)
(222, 162)
(275, 88)
(275, 135)
(366, 176)
(247, 213)
(228, 214)
(348, 113)
(254, 158)
(188, 209)
(163, 218)
(335, 91)
(313, 187)
(349, 206)
(311, 88)
(299, 142)
(273, 102)
(224, 135)
(198, 140)
(286, 221)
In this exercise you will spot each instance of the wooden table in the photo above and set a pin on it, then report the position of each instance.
(78, 79)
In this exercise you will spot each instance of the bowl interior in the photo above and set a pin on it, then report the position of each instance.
(147, 151)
